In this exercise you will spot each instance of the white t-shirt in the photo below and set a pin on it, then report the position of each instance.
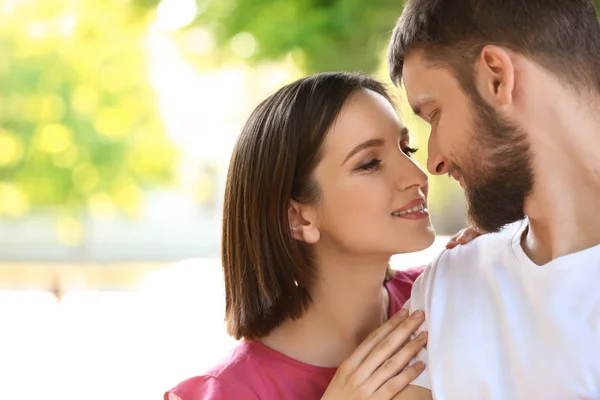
(503, 328)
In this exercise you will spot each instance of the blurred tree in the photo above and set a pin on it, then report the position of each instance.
(319, 34)
(78, 121)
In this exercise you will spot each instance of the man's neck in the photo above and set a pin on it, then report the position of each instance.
(564, 208)
(349, 302)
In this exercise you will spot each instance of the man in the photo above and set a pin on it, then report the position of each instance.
(511, 89)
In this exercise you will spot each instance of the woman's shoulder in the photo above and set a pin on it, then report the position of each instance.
(408, 275)
(254, 371)
(224, 381)
(199, 387)
(400, 286)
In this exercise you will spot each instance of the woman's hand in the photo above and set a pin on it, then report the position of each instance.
(463, 236)
(377, 368)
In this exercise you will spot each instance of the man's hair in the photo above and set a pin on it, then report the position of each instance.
(561, 36)
(267, 272)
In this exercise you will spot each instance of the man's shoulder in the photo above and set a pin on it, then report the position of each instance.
(470, 262)
(482, 250)
(457, 275)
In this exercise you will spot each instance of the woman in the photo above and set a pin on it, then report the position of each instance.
(321, 192)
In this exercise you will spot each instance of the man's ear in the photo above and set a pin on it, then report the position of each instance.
(495, 76)
(303, 222)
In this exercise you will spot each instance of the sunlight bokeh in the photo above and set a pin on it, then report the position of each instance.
(117, 120)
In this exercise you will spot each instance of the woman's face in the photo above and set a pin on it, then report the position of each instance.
(373, 194)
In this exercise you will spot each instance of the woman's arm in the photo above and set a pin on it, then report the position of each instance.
(413, 392)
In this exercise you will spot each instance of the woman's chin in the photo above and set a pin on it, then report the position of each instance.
(418, 242)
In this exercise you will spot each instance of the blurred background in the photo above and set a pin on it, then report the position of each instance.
(117, 119)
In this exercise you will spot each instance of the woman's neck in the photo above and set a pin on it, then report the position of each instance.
(349, 301)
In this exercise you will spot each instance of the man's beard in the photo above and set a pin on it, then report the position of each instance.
(499, 176)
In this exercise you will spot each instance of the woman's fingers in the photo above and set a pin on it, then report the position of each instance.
(395, 364)
(398, 383)
(390, 344)
(463, 236)
(373, 340)
(379, 362)
(453, 242)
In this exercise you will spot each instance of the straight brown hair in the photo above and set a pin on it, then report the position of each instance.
(267, 273)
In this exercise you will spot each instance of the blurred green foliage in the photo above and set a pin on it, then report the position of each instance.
(320, 35)
(79, 125)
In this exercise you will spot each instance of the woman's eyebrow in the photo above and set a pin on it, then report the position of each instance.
(364, 145)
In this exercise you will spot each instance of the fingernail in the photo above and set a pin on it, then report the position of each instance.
(420, 365)
(422, 336)
(417, 314)
(402, 313)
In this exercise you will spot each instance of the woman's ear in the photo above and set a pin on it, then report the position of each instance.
(303, 222)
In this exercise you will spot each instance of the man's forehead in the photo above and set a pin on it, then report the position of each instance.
(421, 80)
(413, 60)
(421, 69)
(414, 73)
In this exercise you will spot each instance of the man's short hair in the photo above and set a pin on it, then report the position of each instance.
(562, 36)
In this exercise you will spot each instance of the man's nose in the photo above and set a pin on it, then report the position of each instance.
(436, 163)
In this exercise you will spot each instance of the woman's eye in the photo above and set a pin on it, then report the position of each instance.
(409, 151)
(371, 165)
(406, 149)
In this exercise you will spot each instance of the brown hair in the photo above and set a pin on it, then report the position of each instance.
(562, 36)
(267, 272)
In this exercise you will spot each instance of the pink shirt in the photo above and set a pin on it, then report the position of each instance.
(254, 371)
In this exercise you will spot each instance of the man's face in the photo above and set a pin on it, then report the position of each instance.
(471, 142)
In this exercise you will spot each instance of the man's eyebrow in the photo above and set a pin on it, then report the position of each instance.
(404, 132)
(418, 107)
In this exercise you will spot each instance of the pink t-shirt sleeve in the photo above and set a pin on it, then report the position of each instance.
(411, 274)
(205, 387)
(400, 287)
